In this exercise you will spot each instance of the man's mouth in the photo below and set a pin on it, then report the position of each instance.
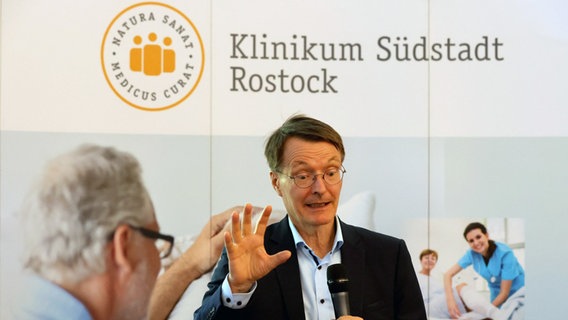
(317, 205)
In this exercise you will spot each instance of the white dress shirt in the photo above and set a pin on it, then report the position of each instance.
(313, 277)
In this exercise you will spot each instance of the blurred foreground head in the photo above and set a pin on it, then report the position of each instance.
(72, 212)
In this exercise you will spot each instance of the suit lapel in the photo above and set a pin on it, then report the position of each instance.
(287, 274)
(353, 259)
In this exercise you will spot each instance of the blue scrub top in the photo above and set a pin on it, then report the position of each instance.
(503, 265)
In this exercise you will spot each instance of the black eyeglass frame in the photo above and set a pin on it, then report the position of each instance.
(156, 235)
(315, 176)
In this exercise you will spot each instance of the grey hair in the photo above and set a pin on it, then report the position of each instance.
(73, 210)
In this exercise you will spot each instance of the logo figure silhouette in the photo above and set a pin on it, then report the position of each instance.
(152, 59)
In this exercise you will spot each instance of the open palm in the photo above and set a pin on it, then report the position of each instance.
(248, 260)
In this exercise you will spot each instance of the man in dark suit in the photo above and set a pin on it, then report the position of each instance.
(279, 271)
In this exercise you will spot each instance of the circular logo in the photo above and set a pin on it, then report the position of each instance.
(152, 56)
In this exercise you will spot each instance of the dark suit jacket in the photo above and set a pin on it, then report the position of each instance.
(382, 281)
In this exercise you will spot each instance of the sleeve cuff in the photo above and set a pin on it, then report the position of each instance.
(236, 300)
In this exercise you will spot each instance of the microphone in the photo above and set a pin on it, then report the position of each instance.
(338, 284)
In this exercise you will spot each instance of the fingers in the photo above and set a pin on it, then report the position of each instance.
(247, 220)
(219, 221)
(455, 313)
(228, 241)
(263, 221)
(217, 239)
(243, 227)
(236, 227)
(279, 258)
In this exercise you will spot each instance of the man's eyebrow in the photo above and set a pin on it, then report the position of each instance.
(302, 164)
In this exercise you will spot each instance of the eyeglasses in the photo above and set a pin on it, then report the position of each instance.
(305, 180)
(164, 242)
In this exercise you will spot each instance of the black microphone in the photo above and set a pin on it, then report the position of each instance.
(338, 283)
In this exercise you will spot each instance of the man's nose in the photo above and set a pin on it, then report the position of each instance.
(319, 182)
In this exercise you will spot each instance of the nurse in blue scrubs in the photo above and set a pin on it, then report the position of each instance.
(492, 260)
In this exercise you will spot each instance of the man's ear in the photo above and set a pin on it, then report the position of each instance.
(121, 247)
(275, 182)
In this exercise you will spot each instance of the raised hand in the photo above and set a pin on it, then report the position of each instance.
(207, 247)
(248, 260)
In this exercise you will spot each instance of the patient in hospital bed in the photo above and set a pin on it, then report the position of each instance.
(432, 287)
(472, 304)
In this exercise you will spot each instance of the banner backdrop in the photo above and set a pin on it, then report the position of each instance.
(451, 111)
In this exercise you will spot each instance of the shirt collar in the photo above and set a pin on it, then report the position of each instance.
(299, 241)
(46, 300)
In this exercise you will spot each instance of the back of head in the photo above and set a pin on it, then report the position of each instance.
(79, 200)
(305, 128)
